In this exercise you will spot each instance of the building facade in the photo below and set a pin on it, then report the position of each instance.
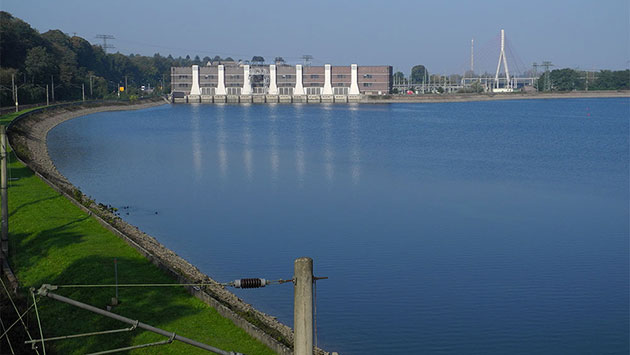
(235, 82)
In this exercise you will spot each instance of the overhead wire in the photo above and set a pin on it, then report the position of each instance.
(8, 340)
(20, 317)
(18, 312)
(39, 322)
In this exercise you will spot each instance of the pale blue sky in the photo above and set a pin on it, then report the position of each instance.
(571, 33)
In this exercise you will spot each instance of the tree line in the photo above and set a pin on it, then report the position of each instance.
(570, 79)
(74, 66)
(566, 79)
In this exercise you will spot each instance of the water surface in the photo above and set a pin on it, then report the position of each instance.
(479, 228)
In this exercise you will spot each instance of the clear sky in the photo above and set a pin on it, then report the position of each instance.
(584, 34)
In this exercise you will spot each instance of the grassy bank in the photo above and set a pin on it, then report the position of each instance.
(53, 241)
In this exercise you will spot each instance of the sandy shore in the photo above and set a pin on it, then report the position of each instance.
(28, 135)
(494, 97)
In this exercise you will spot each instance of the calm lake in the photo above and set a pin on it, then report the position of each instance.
(448, 228)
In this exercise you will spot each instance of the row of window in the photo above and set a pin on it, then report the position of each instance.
(313, 91)
(285, 91)
(284, 76)
(233, 91)
(207, 91)
(340, 91)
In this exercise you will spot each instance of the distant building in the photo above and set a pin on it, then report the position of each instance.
(230, 81)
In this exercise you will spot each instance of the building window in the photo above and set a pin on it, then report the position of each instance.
(340, 76)
(367, 84)
(313, 91)
(184, 77)
(233, 91)
(340, 91)
(314, 76)
(259, 90)
(285, 91)
(367, 76)
(207, 91)
(209, 76)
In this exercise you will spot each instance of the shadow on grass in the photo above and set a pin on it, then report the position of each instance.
(20, 172)
(30, 203)
(154, 306)
(33, 248)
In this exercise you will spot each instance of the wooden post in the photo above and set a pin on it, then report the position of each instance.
(303, 307)
(4, 238)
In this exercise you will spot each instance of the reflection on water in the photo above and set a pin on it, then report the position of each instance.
(221, 141)
(273, 144)
(300, 164)
(355, 146)
(247, 138)
(329, 153)
(196, 143)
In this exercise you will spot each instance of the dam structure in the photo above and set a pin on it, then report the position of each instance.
(232, 82)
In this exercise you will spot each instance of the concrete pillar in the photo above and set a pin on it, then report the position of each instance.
(303, 307)
(194, 90)
(299, 88)
(354, 80)
(327, 80)
(247, 86)
(273, 87)
(221, 81)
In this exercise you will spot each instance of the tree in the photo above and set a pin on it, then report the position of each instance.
(419, 74)
(39, 64)
(565, 79)
(611, 80)
(258, 59)
(399, 78)
(279, 60)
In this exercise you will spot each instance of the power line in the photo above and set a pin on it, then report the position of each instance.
(105, 38)
(45, 291)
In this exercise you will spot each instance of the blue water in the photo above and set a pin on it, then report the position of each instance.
(447, 228)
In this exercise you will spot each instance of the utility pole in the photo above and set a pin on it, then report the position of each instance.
(105, 38)
(472, 56)
(547, 65)
(91, 93)
(3, 191)
(83, 91)
(307, 59)
(303, 307)
(535, 75)
(47, 103)
(126, 89)
(52, 81)
(15, 93)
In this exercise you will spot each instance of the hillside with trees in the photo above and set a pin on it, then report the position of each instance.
(34, 60)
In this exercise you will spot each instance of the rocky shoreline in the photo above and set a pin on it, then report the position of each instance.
(27, 136)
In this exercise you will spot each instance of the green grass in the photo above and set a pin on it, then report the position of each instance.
(53, 241)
